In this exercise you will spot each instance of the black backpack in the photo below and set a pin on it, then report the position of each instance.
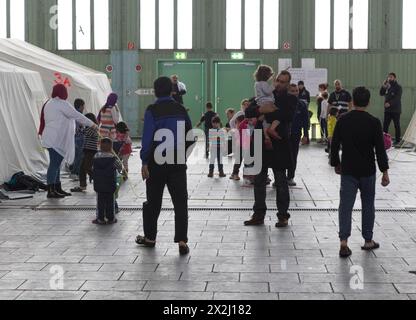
(20, 182)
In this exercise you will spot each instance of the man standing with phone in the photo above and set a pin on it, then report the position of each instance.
(392, 92)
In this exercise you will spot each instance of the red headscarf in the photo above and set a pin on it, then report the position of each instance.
(59, 91)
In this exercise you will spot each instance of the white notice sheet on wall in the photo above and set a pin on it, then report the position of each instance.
(308, 64)
(312, 78)
(284, 64)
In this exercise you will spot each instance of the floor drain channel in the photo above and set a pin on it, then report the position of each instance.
(205, 209)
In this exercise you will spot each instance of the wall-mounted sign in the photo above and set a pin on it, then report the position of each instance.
(109, 68)
(287, 46)
(145, 92)
(180, 55)
(139, 68)
(237, 55)
(131, 45)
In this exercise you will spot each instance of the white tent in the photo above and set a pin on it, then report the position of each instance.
(87, 84)
(21, 97)
(410, 135)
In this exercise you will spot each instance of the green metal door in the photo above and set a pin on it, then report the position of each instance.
(234, 81)
(192, 74)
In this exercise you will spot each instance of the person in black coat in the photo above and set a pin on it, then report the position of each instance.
(304, 94)
(392, 92)
(280, 159)
(301, 122)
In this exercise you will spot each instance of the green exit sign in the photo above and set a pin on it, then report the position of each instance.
(237, 55)
(181, 56)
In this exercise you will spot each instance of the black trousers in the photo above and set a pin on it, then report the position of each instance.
(86, 167)
(105, 206)
(237, 165)
(174, 177)
(295, 142)
(207, 144)
(324, 128)
(282, 194)
(395, 117)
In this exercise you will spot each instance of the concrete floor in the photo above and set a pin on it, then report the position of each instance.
(228, 260)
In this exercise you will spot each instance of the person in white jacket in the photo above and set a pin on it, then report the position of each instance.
(178, 89)
(57, 131)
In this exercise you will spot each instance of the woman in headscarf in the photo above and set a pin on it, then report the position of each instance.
(57, 131)
(109, 117)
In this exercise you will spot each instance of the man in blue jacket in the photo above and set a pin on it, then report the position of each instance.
(164, 148)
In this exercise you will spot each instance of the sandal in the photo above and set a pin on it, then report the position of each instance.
(370, 246)
(99, 222)
(144, 242)
(78, 190)
(345, 252)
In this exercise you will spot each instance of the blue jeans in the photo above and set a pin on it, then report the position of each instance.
(54, 170)
(349, 187)
(79, 148)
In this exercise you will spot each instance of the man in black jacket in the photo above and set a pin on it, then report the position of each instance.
(340, 98)
(361, 138)
(301, 122)
(280, 159)
(304, 94)
(392, 92)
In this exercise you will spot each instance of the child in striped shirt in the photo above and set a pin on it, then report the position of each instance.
(90, 150)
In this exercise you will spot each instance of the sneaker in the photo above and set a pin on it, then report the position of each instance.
(99, 222)
(235, 177)
(248, 182)
(345, 252)
(114, 221)
(370, 246)
(291, 183)
(184, 250)
(283, 223)
(254, 221)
